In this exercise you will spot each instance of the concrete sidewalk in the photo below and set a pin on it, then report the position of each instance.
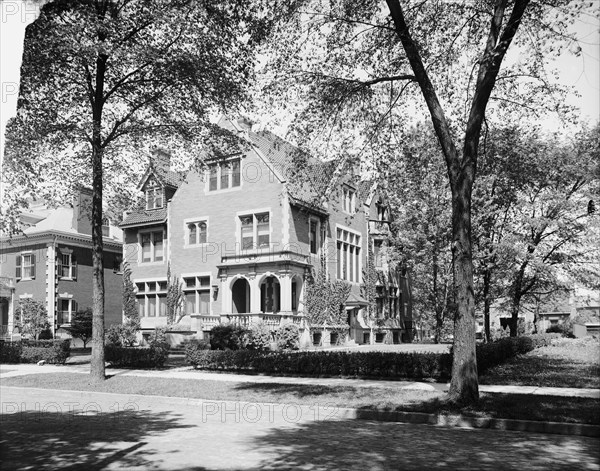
(8, 371)
(49, 429)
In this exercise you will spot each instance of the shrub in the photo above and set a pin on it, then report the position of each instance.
(10, 352)
(52, 351)
(227, 337)
(259, 337)
(32, 317)
(381, 364)
(121, 335)
(288, 337)
(153, 356)
(135, 357)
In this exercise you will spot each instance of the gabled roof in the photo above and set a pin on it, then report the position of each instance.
(167, 178)
(142, 217)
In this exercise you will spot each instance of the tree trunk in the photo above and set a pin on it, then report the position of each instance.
(487, 304)
(97, 366)
(514, 316)
(97, 371)
(464, 387)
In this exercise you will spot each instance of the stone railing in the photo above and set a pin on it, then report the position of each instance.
(208, 322)
(272, 320)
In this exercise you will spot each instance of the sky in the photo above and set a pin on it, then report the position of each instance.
(582, 72)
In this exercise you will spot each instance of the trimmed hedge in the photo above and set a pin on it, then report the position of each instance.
(414, 365)
(32, 351)
(380, 364)
(136, 357)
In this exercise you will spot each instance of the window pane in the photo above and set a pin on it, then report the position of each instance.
(162, 305)
(190, 302)
(162, 285)
(192, 234)
(313, 237)
(146, 256)
(204, 302)
(202, 233)
(151, 306)
(141, 305)
(205, 281)
(235, 173)
(151, 286)
(213, 177)
(225, 171)
(247, 237)
(351, 268)
(158, 198)
(339, 260)
(141, 287)
(190, 282)
(262, 222)
(158, 246)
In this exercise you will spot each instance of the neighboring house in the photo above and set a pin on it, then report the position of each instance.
(244, 235)
(51, 261)
(578, 304)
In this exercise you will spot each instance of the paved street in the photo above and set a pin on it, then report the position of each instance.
(47, 429)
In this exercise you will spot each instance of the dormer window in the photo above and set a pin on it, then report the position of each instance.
(349, 200)
(154, 198)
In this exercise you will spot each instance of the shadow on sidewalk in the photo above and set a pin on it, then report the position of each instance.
(360, 445)
(51, 439)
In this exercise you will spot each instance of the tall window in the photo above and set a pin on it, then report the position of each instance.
(348, 256)
(377, 255)
(25, 266)
(152, 298)
(152, 246)
(223, 175)
(381, 212)
(196, 232)
(154, 197)
(349, 196)
(255, 231)
(197, 294)
(66, 309)
(312, 235)
(105, 227)
(67, 265)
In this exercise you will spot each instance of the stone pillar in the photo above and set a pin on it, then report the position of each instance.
(285, 289)
(254, 294)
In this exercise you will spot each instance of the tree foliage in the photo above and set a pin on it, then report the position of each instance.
(363, 71)
(33, 317)
(175, 298)
(131, 311)
(101, 80)
(81, 325)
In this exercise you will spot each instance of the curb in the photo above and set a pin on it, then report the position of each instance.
(416, 418)
(459, 421)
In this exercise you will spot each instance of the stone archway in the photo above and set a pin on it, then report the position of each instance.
(270, 294)
(240, 296)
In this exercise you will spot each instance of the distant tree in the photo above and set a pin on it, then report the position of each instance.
(81, 325)
(175, 298)
(33, 317)
(130, 305)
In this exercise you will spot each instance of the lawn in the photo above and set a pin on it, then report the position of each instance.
(570, 363)
(508, 406)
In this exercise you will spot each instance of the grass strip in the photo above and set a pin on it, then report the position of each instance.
(505, 406)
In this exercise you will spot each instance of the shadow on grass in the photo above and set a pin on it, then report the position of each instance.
(529, 370)
(360, 445)
(504, 406)
(64, 440)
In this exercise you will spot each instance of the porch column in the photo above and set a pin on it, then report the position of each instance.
(285, 286)
(226, 297)
(254, 294)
